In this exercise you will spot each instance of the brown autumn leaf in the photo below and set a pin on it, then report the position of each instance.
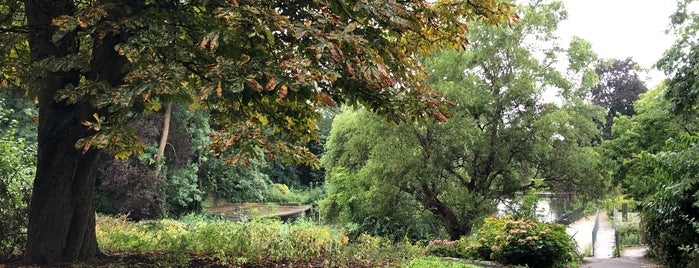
(254, 83)
(271, 84)
(283, 91)
(328, 100)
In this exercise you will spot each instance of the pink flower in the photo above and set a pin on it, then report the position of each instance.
(437, 241)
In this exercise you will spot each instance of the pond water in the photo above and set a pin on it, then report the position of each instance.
(549, 207)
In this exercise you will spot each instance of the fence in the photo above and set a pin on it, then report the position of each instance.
(570, 217)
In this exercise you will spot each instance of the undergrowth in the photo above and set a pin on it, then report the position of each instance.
(263, 240)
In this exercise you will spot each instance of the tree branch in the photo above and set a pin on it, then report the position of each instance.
(17, 29)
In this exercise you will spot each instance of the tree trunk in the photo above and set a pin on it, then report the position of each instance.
(454, 227)
(61, 216)
(163, 139)
(428, 199)
(61, 224)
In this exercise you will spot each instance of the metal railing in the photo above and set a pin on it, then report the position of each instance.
(570, 217)
(594, 232)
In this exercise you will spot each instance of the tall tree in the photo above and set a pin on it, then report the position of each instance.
(619, 87)
(255, 65)
(500, 139)
(645, 132)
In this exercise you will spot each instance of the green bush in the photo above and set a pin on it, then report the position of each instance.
(17, 167)
(281, 193)
(181, 190)
(370, 249)
(670, 217)
(628, 235)
(523, 242)
(446, 248)
(384, 211)
(670, 225)
(234, 183)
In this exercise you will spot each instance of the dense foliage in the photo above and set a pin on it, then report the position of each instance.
(399, 180)
(255, 84)
(17, 166)
(524, 242)
(670, 218)
(618, 89)
(262, 241)
(262, 70)
(509, 241)
(656, 151)
(655, 155)
(133, 186)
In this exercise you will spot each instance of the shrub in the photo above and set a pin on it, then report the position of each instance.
(523, 242)
(628, 235)
(371, 249)
(234, 183)
(384, 211)
(670, 217)
(17, 167)
(181, 190)
(445, 248)
(670, 225)
(129, 187)
(281, 193)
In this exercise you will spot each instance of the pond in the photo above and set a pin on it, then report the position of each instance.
(549, 208)
(239, 211)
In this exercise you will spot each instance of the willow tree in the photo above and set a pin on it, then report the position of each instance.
(257, 66)
(502, 139)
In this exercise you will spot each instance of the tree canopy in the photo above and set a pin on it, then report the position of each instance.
(501, 140)
(656, 150)
(258, 67)
(618, 89)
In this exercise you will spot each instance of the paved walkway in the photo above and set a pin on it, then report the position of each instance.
(581, 231)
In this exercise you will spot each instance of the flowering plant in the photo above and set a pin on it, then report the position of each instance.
(525, 242)
(444, 248)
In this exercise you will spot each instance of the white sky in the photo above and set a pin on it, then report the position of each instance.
(621, 29)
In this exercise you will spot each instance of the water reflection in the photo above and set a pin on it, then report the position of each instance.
(549, 208)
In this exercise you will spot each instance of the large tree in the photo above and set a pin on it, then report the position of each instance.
(502, 138)
(257, 66)
(619, 87)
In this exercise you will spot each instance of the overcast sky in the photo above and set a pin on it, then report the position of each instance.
(621, 29)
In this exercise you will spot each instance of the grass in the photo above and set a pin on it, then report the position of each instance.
(435, 263)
